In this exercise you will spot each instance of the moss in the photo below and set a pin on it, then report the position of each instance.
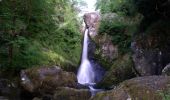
(116, 94)
(65, 93)
(122, 69)
(48, 78)
(141, 88)
(99, 96)
(165, 94)
(118, 31)
(144, 94)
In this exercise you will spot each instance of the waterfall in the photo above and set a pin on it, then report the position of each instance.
(85, 73)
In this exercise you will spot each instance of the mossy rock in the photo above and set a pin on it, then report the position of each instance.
(151, 49)
(65, 93)
(46, 79)
(141, 88)
(122, 69)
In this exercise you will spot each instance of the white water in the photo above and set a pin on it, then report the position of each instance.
(85, 73)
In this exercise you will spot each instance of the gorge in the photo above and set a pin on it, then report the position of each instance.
(122, 52)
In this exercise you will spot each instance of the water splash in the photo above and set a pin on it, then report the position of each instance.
(85, 74)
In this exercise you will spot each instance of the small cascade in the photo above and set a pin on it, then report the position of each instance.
(86, 75)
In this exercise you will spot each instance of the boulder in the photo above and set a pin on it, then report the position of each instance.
(92, 22)
(151, 48)
(140, 88)
(65, 93)
(146, 62)
(46, 79)
(149, 62)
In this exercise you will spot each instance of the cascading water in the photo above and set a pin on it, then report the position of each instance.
(90, 72)
(85, 74)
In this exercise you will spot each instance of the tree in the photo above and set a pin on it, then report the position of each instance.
(38, 32)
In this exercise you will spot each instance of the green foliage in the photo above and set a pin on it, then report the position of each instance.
(155, 37)
(120, 70)
(38, 32)
(123, 7)
(165, 94)
(152, 10)
(27, 53)
(123, 24)
(118, 31)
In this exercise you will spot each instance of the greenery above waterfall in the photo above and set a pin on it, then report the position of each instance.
(39, 32)
(124, 22)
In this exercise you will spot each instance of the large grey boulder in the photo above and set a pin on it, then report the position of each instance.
(141, 88)
(151, 48)
(46, 79)
(149, 62)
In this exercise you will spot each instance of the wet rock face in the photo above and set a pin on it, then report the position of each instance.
(46, 79)
(141, 88)
(97, 68)
(107, 49)
(92, 22)
(149, 62)
(65, 93)
(91, 49)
